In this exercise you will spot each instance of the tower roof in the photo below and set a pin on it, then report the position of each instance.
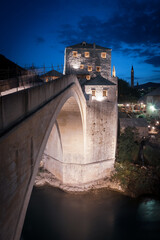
(88, 45)
(98, 80)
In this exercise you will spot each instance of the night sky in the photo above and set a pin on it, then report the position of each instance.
(38, 31)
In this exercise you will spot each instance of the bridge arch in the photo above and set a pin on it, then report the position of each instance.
(26, 120)
(72, 95)
(65, 145)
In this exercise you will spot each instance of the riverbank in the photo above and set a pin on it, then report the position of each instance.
(46, 178)
(129, 179)
(137, 180)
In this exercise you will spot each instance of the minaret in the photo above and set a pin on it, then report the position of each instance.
(113, 72)
(132, 77)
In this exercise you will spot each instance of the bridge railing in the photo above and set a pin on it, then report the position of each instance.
(16, 106)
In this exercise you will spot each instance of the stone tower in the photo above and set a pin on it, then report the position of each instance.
(87, 60)
(92, 66)
(132, 77)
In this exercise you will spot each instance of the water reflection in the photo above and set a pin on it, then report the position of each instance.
(100, 215)
(149, 210)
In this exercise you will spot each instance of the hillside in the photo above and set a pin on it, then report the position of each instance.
(9, 69)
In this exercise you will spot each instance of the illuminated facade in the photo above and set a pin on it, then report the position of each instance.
(92, 66)
(87, 59)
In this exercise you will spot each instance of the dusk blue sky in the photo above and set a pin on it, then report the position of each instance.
(38, 32)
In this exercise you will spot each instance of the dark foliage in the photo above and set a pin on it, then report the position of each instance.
(135, 177)
(126, 93)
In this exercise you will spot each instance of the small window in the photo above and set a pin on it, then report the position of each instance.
(81, 66)
(104, 93)
(93, 93)
(103, 55)
(86, 54)
(88, 77)
(75, 54)
(98, 69)
(89, 68)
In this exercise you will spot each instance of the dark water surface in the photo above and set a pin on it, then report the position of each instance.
(100, 215)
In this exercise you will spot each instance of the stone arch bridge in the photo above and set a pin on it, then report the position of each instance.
(55, 119)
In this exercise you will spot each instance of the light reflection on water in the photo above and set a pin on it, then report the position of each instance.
(99, 215)
(149, 210)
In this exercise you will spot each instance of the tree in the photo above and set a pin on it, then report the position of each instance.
(128, 148)
(126, 93)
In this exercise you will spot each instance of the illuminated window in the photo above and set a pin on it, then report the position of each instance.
(88, 77)
(103, 55)
(104, 93)
(86, 54)
(75, 54)
(93, 93)
(82, 66)
(89, 68)
(98, 69)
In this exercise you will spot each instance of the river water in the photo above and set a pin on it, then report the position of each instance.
(100, 215)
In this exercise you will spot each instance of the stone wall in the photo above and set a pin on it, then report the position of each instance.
(101, 130)
(10, 83)
(17, 106)
(72, 64)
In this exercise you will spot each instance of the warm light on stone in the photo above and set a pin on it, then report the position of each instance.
(113, 72)
(75, 66)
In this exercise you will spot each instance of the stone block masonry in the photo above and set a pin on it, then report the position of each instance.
(78, 64)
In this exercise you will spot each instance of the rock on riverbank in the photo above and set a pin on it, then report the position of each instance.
(46, 178)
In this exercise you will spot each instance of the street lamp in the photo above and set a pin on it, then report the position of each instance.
(152, 108)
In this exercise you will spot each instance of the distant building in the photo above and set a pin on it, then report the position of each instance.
(51, 75)
(139, 123)
(132, 77)
(152, 101)
(146, 88)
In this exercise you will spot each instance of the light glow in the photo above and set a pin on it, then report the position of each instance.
(152, 108)
(99, 98)
(75, 66)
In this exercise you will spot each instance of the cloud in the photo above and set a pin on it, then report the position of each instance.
(133, 28)
(155, 61)
(40, 40)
